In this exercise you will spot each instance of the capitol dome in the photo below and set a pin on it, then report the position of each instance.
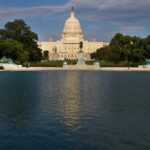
(72, 32)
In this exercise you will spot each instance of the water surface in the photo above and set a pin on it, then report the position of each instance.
(73, 110)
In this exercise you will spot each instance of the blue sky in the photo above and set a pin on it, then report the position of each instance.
(100, 19)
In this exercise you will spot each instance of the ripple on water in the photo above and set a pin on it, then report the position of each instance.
(74, 110)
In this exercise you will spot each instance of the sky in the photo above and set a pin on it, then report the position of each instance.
(100, 19)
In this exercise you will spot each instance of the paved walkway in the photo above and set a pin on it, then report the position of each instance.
(89, 69)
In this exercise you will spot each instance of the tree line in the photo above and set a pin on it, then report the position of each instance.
(19, 43)
(124, 48)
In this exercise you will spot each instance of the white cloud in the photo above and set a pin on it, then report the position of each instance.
(89, 9)
(7, 13)
(131, 29)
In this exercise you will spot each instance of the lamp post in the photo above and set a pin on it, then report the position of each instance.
(129, 54)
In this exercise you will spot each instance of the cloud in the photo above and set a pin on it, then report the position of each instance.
(7, 13)
(131, 29)
(95, 9)
(108, 16)
(126, 9)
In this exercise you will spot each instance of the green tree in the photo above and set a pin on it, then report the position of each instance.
(114, 55)
(100, 54)
(22, 56)
(19, 31)
(13, 49)
(46, 55)
(146, 43)
(10, 48)
(117, 41)
(124, 48)
(133, 50)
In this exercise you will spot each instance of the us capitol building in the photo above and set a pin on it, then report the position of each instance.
(68, 46)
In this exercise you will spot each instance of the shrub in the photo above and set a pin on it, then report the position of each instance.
(48, 64)
(89, 62)
(1, 68)
(121, 64)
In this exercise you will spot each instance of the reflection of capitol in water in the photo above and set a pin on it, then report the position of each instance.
(63, 97)
(71, 99)
(68, 45)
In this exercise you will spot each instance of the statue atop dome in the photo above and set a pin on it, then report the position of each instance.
(72, 14)
(72, 9)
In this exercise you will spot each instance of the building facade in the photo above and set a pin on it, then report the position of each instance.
(69, 45)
